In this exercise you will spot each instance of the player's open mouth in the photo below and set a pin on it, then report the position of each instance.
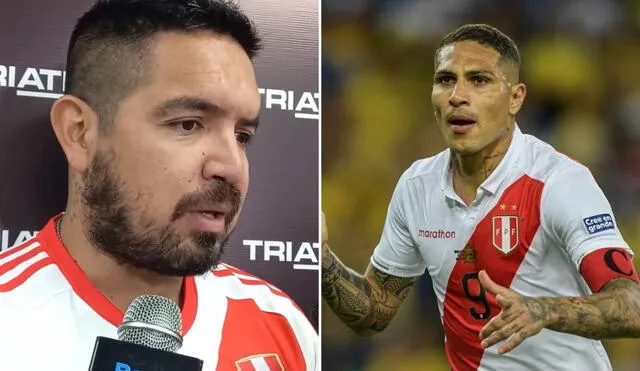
(461, 124)
(206, 220)
(210, 218)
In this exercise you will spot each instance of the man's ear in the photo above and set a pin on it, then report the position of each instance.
(75, 124)
(518, 93)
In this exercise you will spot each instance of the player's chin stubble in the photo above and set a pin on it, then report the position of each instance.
(130, 238)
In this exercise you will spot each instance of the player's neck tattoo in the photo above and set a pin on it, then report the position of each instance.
(475, 169)
(487, 164)
(491, 162)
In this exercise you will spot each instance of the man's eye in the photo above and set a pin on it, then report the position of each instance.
(479, 80)
(244, 138)
(187, 126)
(445, 80)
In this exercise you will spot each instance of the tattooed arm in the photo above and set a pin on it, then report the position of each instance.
(614, 312)
(364, 303)
(367, 303)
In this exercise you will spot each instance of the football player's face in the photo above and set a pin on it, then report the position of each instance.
(473, 95)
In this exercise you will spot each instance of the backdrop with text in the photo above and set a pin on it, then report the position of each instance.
(276, 238)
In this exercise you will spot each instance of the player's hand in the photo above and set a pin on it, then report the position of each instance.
(519, 319)
(325, 237)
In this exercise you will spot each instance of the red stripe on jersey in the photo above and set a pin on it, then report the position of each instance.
(22, 277)
(233, 271)
(245, 366)
(273, 363)
(12, 250)
(6, 267)
(189, 303)
(249, 332)
(274, 291)
(247, 281)
(262, 283)
(603, 265)
(85, 289)
(498, 245)
(222, 272)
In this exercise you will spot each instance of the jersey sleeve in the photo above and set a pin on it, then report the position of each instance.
(576, 212)
(396, 253)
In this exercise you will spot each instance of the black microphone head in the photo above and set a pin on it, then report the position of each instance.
(152, 321)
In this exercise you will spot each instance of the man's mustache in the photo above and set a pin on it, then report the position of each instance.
(219, 194)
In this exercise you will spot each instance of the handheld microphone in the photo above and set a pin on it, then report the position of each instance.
(148, 337)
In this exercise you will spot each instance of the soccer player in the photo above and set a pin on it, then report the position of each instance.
(161, 102)
(527, 263)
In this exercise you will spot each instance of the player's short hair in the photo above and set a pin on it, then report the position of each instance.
(485, 35)
(109, 46)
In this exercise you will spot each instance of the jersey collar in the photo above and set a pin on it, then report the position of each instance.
(91, 295)
(493, 182)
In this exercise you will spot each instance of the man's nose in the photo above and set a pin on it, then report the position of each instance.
(225, 158)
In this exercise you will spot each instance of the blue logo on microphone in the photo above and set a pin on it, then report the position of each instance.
(123, 367)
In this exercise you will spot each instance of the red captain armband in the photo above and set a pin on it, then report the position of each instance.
(603, 265)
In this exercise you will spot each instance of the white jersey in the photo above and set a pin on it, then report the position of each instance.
(50, 316)
(533, 221)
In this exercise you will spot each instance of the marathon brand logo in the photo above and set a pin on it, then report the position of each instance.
(36, 82)
(9, 239)
(598, 223)
(436, 233)
(302, 256)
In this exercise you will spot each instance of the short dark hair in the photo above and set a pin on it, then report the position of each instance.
(485, 35)
(110, 43)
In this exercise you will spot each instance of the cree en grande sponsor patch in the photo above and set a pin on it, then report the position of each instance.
(598, 223)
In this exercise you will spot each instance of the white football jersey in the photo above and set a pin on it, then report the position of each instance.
(50, 316)
(533, 221)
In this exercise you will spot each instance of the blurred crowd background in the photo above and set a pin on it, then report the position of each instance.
(581, 63)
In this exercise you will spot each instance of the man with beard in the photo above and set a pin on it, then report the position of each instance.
(160, 105)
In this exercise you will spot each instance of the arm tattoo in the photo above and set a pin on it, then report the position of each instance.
(612, 313)
(364, 303)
